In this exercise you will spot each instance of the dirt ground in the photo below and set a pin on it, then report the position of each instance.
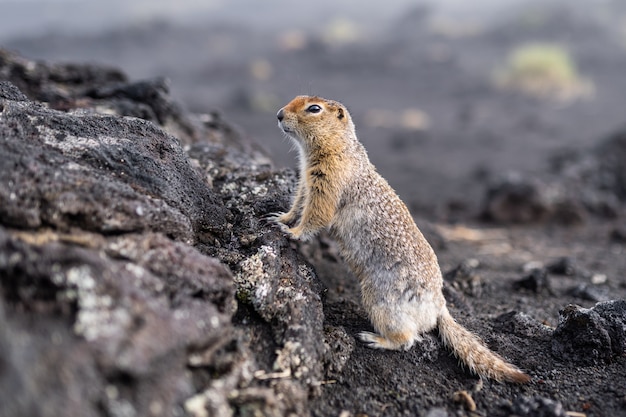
(400, 383)
(423, 95)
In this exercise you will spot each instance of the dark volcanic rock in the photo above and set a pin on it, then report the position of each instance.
(566, 266)
(536, 281)
(116, 296)
(272, 278)
(148, 100)
(126, 333)
(537, 407)
(465, 278)
(591, 336)
(611, 171)
(100, 173)
(618, 234)
(516, 199)
(590, 292)
(95, 88)
(37, 352)
(10, 92)
(54, 82)
(591, 181)
(523, 325)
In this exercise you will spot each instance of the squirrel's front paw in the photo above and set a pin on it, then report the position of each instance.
(299, 233)
(279, 217)
(282, 220)
(273, 217)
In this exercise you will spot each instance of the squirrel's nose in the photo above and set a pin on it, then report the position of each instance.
(280, 115)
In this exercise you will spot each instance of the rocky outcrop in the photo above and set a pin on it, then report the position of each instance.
(100, 173)
(588, 336)
(591, 182)
(136, 274)
(517, 199)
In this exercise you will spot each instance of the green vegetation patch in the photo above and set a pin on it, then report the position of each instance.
(543, 70)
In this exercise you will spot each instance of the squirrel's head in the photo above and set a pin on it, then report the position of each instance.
(310, 119)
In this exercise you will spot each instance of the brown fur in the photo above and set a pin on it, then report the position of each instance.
(398, 271)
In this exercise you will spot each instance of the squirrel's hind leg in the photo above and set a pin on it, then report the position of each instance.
(391, 341)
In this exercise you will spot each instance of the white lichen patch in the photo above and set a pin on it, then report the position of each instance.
(236, 193)
(106, 110)
(96, 316)
(73, 166)
(197, 405)
(252, 278)
(290, 357)
(306, 272)
(215, 399)
(121, 408)
(262, 290)
(259, 190)
(81, 278)
(136, 270)
(291, 294)
(70, 143)
(230, 188)
(100, 322)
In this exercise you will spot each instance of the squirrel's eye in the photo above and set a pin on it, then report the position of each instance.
(314, 108)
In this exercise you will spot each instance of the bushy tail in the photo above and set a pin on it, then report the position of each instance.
(472, 351)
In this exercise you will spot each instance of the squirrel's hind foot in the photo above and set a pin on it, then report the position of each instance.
(392, 341)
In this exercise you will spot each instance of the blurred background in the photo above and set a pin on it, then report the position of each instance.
(445, 94)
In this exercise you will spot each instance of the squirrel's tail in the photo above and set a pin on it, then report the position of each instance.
(471, 350)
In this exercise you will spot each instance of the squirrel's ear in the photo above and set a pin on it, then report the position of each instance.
(340, 114)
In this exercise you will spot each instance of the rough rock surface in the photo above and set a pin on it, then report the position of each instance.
(516, 199)
(537, 407)
(124, 320)
(83, 174)
(587, 183)
(138, 278)
(589, 336)
(110, 234)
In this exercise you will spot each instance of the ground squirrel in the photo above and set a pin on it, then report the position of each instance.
(401, 282)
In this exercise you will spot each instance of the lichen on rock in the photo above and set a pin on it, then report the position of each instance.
(121, 238)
